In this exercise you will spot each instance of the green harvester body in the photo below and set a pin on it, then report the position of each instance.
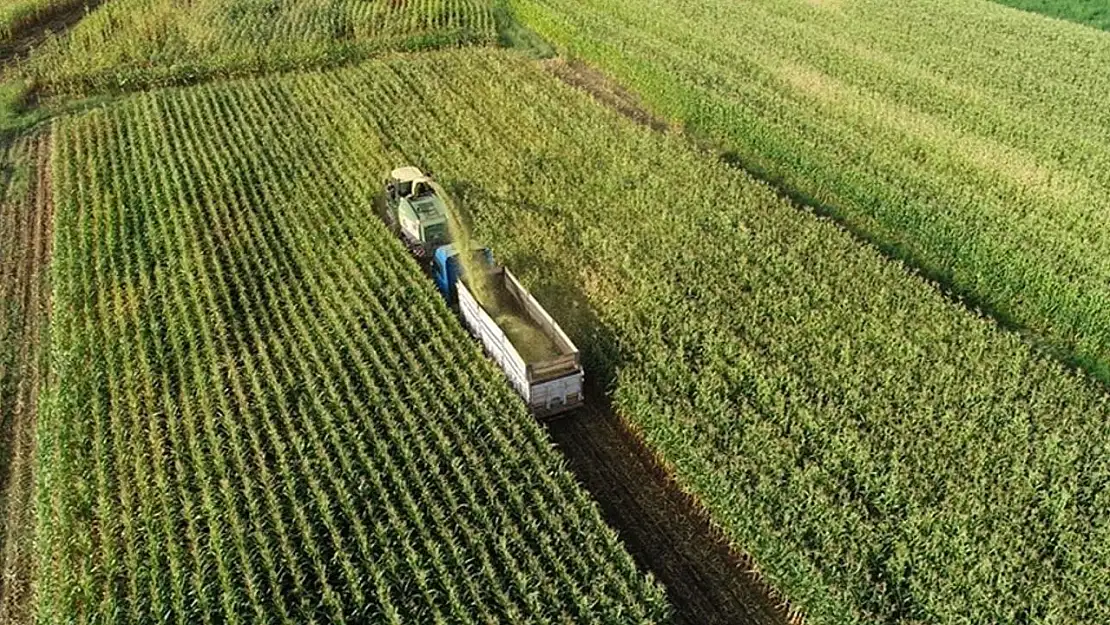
(415, 209)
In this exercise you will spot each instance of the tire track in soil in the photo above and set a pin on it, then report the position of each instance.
(667, 531)
(663, 528)
(29, 297)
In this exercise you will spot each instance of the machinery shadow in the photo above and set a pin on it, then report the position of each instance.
(666, 530)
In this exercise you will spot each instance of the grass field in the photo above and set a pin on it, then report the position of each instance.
(966, 137)
(129, 45)
(1091, 12)
(885, 455)
(261, 409)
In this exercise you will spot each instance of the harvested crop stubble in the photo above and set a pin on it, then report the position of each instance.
(885, 455)
(263, 412)
(969, 138)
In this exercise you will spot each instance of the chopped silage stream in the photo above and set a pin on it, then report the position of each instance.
(529, 339)
(533, 344)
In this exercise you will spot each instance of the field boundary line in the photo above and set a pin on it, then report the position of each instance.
(54, 20)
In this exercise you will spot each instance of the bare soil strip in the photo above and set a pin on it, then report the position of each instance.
(54, 20)
(29, 300)
(667, 532)
(578, 74)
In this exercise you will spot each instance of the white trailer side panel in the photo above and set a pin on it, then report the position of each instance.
(546, 397)
(498, 346)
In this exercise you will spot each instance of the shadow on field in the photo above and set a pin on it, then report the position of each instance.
(662, 527)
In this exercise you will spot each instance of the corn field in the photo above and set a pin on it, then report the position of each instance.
(963, 136)
(261, 411)
(25, 216)
(134, 44)
(884, 454)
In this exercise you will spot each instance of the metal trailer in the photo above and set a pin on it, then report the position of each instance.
(551, 386)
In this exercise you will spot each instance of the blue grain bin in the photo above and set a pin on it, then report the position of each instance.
(447, 269)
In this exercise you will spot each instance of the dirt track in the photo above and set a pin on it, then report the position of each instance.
(56, 20)
(666, 531)
(25, 232)
(605, 91)
(662, 527)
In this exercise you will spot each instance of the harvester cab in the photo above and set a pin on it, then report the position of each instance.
(415, 209)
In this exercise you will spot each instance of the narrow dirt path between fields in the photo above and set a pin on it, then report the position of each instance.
(55, 21)
(664, 529)
(27, 227)
(578, 74)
